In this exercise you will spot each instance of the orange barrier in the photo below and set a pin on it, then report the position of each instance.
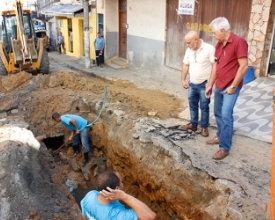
(272, 191)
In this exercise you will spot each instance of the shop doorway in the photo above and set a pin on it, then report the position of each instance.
(123, 28)
(70, 34)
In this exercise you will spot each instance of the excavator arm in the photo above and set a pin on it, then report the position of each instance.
(20, 34)
(23, 47)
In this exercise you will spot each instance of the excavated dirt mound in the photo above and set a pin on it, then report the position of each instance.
(29, 101)
(38, 96)
(169, 169)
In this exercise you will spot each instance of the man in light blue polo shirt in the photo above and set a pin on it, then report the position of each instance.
(80, 132)
(99, 44)
(60, 42)
(104, 204)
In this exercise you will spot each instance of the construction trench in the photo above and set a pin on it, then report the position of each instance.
(138, 135)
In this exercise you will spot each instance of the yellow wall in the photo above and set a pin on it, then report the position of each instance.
(93, 35)
(78, 35)
(77, 24)
(63, 30)
(77, 30)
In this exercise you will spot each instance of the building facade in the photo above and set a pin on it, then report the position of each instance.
(67, 17)
(150, 34)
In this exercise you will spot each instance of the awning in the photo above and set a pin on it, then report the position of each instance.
(62, 10)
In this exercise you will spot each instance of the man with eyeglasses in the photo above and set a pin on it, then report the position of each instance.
(198, 61)
(230, 67)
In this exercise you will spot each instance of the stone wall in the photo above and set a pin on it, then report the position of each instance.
(268, 41)
(259, 35)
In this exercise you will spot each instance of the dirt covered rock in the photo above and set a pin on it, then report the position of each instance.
(15, 80)
(25, 180)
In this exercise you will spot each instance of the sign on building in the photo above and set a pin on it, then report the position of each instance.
(186, 7)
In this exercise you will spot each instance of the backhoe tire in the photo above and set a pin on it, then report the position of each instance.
(3, 71)
(45, 64)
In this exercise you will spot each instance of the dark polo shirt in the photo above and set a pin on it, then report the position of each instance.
(227, 60)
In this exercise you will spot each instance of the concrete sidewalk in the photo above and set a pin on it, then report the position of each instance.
(253, 111)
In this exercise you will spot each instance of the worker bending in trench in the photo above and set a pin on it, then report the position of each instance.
(80, 132)
(105, 203)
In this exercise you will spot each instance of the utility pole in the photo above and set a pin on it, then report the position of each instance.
(86, 34)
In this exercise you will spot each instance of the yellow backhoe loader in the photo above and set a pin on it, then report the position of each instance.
(20, 49)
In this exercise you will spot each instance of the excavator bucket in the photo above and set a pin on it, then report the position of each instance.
(17, 50)
(32, 50)
(19, 55)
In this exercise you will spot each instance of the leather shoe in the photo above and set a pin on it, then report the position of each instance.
(214, 140)
(220, 154)
(84, 162)
(75, 153)
(204, 132)
(189, 126)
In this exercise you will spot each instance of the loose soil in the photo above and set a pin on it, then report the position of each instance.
(35, 98)
(225, 189)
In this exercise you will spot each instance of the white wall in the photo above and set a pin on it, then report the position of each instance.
(67, 2)
(111, 28)
(146, 18)
(111, 16)
(100, 6)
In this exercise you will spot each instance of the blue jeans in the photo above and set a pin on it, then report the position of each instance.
(99, 58)
(223, 108)
(82, 137)
(196, 96)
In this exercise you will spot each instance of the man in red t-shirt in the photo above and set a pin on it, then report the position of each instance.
(230, 67)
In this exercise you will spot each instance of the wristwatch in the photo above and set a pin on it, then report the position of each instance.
(233, 87)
